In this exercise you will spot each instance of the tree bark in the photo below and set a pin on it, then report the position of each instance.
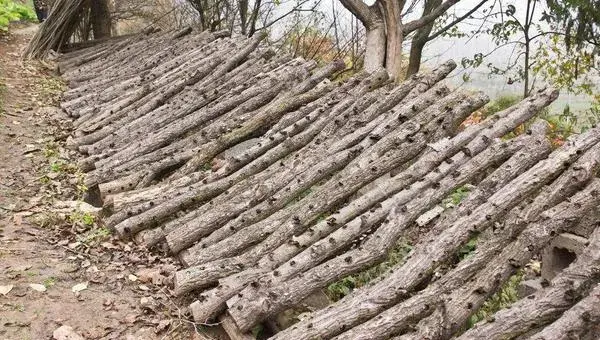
(417, 206)
(419, 40)
(375, 47)
(580, 322)
(422, 304)
(428, 254)
(564, 291)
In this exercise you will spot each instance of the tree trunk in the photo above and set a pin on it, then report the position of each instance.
(101, 21)
(375, 49)
(385, 31)
(420, 39)
(395, 36)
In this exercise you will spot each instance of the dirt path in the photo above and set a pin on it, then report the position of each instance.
(59, 269)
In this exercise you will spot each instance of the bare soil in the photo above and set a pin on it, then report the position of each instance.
(58, 266)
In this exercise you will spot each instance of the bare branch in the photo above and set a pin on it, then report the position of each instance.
(359, 9)
(456, 21)
(426, 19)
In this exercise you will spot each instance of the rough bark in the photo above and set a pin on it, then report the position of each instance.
(465, 279)
(423, 201)
(580, 322)
(296, 98)
(430, 252)
(564, 291)
(207, 306)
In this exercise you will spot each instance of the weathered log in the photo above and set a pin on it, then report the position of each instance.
(161, 93)
(334, 185)
(202, 252)
(197, 111)
(252, 99)
(194, 277)
(504, 125)
(213, 301)
(282, 176)
(286, 147)
(161, 79)
(564, 291)
(580, 322)
(430, 252)
(417, 85)
(298, 96)
(423, 119)
(151, 102)
(471, 137)
(425, 199)
(179, 57)
(181, 185)
(461, 279)
(216, 187)
(291, 220)
(122, 54)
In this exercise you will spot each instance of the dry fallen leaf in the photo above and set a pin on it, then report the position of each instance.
(79, 287)
(5, 289)
(132, 277)
(37, 287)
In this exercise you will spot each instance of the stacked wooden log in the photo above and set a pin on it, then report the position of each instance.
(271, 182)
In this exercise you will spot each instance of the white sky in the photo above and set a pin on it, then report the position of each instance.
(443, 49)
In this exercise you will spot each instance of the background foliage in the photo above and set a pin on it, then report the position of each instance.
(11, 10)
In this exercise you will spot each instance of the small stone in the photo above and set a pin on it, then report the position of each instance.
(5, 289)
(65, 332)
(79, 287)
(146, 301)
(37, 287)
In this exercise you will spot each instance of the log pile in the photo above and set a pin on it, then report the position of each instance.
(271, 182)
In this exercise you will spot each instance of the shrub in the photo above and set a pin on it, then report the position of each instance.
(14, 11)
(501, 103)
(396, 256)
(504, 298)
